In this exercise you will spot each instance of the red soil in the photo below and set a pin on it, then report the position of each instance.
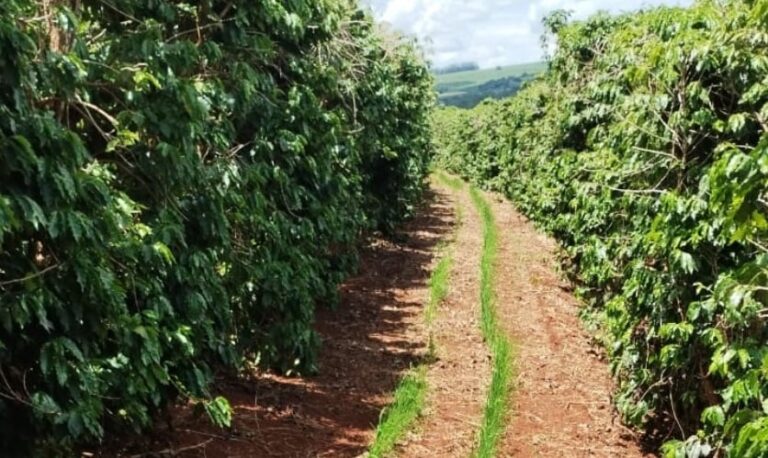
(561, 399)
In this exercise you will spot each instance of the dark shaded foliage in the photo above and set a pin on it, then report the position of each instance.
(180, 185)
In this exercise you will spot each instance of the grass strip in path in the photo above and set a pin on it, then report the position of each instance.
(398, 417)
(497, 403)
(410, 394)
(438, 287)
(455, 184)
(438, 291)
(438, 282)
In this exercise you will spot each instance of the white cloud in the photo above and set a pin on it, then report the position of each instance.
(489, 32)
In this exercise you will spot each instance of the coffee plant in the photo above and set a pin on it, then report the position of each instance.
(181, 183)
(644, 150)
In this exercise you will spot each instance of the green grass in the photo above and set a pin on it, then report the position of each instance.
(438, 291)
(497, 403)
(438, 287)
(398, 417)
(411, 392)
(454, 183)
(467, 89)
(462, 80)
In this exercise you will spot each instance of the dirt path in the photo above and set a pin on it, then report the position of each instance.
(458, 380)
(561, 403)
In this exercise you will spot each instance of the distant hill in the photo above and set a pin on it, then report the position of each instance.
(467, 89)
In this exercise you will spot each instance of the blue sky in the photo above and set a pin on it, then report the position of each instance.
(489, 32)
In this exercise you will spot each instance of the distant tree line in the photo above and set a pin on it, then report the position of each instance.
(455, 68)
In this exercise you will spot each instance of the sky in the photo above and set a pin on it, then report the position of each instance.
(488, 32)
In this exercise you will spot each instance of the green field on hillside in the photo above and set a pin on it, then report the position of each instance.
(467, 89)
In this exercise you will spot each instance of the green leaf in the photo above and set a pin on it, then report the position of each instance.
(713, 416)
(75, 424)
(44, 405)
(163, 250)
(73, 349)
(219, 411)
(686, 262)
(737, 122)
(33, 213)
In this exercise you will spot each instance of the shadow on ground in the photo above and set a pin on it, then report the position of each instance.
(369, 341)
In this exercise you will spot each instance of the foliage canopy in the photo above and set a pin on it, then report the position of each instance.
(180, 184)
